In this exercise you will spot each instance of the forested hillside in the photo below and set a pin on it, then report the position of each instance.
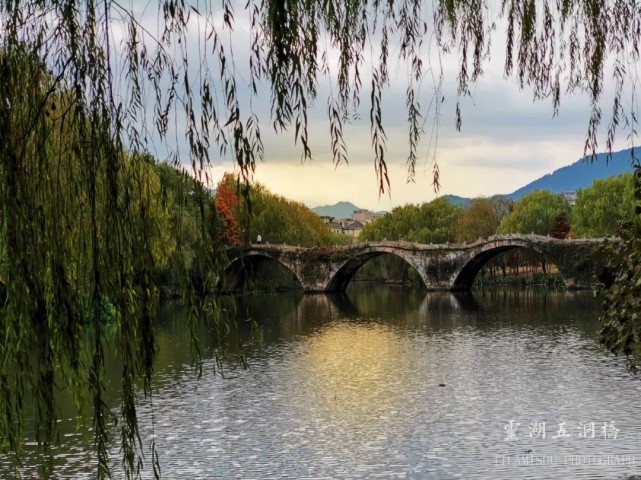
(252, 210)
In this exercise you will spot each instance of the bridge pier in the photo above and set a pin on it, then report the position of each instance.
(441, 267)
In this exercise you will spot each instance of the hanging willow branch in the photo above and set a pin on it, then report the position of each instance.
(87, 87)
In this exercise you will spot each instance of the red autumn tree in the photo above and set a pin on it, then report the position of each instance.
(226, 203)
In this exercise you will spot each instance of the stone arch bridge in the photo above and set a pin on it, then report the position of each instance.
(441, 267)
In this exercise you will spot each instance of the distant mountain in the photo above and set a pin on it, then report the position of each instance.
(580, 174)
(338, 210)
(456, 200)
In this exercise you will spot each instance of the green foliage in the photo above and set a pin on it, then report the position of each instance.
(276, 219)
(282, 221)
(481, 218)
(388, 268)
(84, 84)
(553, 48)
(184, 197)
(538, 279)
(621, 333)
(601, 207)
(535, 213)
(431, 222)
(82, 227)
(621, 287)
(268, 277)
(87, 231)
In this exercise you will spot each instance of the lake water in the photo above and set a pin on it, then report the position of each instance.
(388, 383)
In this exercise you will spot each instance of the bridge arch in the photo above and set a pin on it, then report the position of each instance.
(342, 276)
(242, 267)
(464, 277)
(441, 267)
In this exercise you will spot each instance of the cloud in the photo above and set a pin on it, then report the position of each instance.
(506, 139)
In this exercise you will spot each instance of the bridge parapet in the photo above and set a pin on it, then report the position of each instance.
(441, 266)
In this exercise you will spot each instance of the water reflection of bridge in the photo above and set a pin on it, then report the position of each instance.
(289, 316)
(441, 267)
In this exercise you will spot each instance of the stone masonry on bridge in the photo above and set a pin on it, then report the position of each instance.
(441, 267)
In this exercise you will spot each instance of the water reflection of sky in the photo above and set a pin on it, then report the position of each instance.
(346, 374)
(392, 385)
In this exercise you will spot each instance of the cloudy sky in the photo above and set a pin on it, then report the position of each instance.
(506, 139)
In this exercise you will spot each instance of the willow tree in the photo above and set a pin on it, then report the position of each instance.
(112, 85)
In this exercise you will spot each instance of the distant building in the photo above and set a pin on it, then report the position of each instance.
(336, 227)
(353, 229)
(346, 226)
(365, 216)
(327, 219)
(570, 196)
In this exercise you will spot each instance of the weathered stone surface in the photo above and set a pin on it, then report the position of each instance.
(442, 267)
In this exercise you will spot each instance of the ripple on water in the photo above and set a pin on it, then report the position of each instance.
(426, 393)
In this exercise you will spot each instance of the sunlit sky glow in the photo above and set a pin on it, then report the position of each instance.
(506, 140)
